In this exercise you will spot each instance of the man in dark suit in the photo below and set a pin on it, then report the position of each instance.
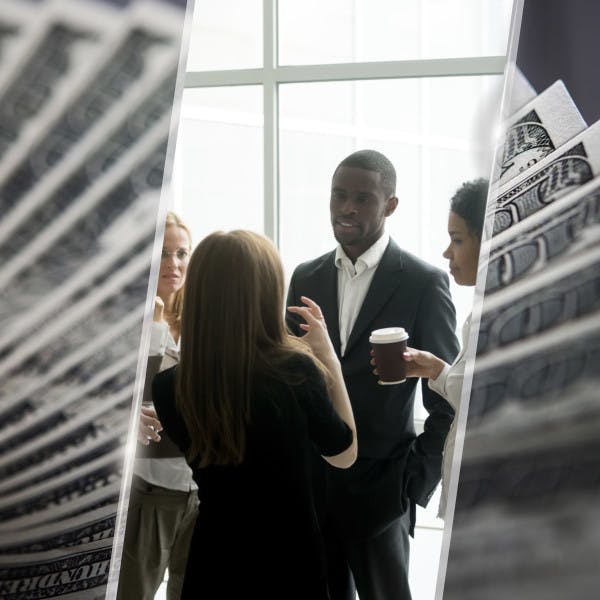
(369, 283)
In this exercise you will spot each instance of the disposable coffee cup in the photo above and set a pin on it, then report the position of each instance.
(389, 344)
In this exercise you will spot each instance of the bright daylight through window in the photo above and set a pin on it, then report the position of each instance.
(277, 93)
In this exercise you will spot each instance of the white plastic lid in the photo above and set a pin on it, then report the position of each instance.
(389, 335)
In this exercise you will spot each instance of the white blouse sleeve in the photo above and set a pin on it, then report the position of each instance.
(159, 335)
(448, 383)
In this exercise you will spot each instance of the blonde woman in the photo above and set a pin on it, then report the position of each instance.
(163, 501)
(252, 407)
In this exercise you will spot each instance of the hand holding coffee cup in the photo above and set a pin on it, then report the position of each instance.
(419, 363)
(389, 345)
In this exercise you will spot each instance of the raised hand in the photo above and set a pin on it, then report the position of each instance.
(159, 310)
(419, 364)
(316, 336)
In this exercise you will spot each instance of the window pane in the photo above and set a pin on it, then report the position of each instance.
(423, 567)
(369, 30)
(226, 34)
(218, 170)
(437, 132)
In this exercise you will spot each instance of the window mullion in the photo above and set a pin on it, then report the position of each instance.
(271, 122)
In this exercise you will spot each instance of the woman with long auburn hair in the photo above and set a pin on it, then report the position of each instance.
(252, 407)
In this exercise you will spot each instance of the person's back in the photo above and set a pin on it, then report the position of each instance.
(257, 521)
(250, 408)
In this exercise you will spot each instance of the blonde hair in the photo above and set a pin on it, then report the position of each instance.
(232, 330)
(173, 317)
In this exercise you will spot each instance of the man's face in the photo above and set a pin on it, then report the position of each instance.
(359, 206)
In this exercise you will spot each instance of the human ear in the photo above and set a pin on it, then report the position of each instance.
(390, 206)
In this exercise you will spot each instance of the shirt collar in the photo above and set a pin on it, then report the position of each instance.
(369, 259)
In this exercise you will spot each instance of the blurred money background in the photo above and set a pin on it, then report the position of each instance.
(526, 521)
(86, 92)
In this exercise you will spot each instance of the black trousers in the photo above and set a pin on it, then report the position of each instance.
(376, 567)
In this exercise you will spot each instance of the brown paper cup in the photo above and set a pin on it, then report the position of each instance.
(388, 346)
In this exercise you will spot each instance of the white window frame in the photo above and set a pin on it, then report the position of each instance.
(272, 74)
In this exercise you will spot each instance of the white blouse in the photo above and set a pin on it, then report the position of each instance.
(448, 384)
(173, 473)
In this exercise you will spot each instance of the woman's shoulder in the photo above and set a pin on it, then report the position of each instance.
(293, 370)
(163, 384)
(166, 375)
(301, 363)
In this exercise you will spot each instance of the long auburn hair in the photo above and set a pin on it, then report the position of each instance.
(232, 329)
(173, 317)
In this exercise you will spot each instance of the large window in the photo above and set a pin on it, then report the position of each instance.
(277, 93)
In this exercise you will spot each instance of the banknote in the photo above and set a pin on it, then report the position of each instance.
(44, 332)
(536, 130)
(74, 502)
(522, 91)
(68, 355)
(80, 278)
(551, 296)
(18, 32)
(531, 463)
(124, 68)
(532, 477)
(75, 483)
(123, 134)
(107, 198)
(65, 573)
(548, 551)
(567, 168)
(87, 450)
(563, 228)
(69, 434)
(74, 186)
(63, 400)
(66, 66)
(536, 370)
(85, 528)
(58, 57)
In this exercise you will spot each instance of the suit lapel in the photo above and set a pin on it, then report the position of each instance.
(385, 280)
(327, 282)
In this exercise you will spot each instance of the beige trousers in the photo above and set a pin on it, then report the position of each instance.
(160, 523)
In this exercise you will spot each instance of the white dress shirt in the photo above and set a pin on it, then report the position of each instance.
(354, 281)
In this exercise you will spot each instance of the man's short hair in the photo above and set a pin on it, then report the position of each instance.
(371, 160)
(469, 203)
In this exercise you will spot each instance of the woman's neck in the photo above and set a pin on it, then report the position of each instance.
(169, 302)
(169, 310)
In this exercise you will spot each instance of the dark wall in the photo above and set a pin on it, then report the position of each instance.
(560, 39)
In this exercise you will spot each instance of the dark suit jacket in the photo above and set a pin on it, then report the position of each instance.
(395, 469)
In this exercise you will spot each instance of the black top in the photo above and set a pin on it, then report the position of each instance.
(257, 533)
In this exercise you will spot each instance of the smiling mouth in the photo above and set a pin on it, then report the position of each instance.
(345, 224)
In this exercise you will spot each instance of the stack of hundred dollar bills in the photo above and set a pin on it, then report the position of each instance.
(527, 516)
(86, 90)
